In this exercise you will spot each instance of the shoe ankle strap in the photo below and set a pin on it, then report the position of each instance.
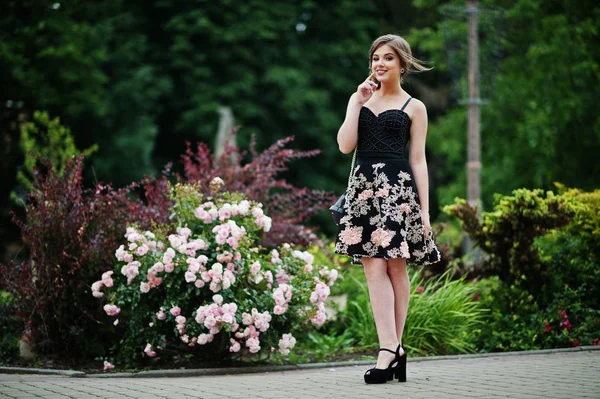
(387, 350)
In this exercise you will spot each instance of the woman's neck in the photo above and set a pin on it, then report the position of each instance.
(390, 91)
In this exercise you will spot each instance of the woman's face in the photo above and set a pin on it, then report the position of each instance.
(386, 64)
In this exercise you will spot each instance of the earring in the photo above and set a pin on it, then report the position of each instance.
(402, 70)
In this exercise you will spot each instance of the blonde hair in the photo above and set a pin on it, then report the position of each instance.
(402, 50)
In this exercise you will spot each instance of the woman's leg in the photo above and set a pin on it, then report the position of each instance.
(401, 286)
(381, 294)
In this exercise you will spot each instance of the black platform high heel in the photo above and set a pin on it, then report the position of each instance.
(400, 368)
(381, 376)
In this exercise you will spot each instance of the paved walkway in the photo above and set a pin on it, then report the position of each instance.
(573, 374)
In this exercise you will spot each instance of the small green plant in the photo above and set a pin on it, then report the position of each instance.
(441, 313)
(45, 139)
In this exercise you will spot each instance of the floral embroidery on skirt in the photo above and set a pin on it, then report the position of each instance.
(383, 215)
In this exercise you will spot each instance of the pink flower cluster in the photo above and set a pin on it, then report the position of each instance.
(282, 297)
(139, 244)
(286, 344)
(148, 351)
(256, 275)
(228, 211)
(257, 323)
(261, 219)
(217, 316)
(106, 281)
(161, 315)
(320, 316)
(167, 260)
(195, 266)
(304, 255)
(180, 320)
(318, 296)
(218, 278)
(259, 320)
(321, 293)
(281, 276)
(207, 212)
(229, 233)
(182, 243)
(329, 275)
(275, 259)
(111, 310)
(108, 366)
(131, 270)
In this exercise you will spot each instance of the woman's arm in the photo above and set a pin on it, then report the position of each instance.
(418, 163)
(348, 134)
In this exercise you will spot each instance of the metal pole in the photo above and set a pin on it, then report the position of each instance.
(474, 102)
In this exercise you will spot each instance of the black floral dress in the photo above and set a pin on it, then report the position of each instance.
(383, 215)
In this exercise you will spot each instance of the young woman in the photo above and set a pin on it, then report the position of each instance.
(387, 205)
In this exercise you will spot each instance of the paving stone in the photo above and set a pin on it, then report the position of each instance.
(538, 375)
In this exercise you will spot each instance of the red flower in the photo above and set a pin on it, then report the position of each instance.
(597, 342)
(420, 289)
(564, 314)
(575, 343)
(568, 325)
(548, 327)
(476, 297)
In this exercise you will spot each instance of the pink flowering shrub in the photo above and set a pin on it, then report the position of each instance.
(201, 284)
(258, 176)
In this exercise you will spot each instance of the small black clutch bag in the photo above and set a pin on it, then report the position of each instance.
(337, 209)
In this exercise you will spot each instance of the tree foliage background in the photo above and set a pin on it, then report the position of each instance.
(139, 78)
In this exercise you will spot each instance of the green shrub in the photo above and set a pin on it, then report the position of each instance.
(11, 328)
(509, 324)
(543, 251)
(516, 322)
(507, 233)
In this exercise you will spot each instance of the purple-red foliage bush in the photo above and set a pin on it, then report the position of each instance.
(287, 205)
(71, 234)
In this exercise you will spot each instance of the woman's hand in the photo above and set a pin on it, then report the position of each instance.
(365, 90)
(426, 223)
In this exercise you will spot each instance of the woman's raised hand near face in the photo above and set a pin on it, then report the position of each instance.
(366, 89)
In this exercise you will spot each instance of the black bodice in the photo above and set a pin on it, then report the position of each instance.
(387, 132)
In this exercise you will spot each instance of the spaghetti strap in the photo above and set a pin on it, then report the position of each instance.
(406, 103)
